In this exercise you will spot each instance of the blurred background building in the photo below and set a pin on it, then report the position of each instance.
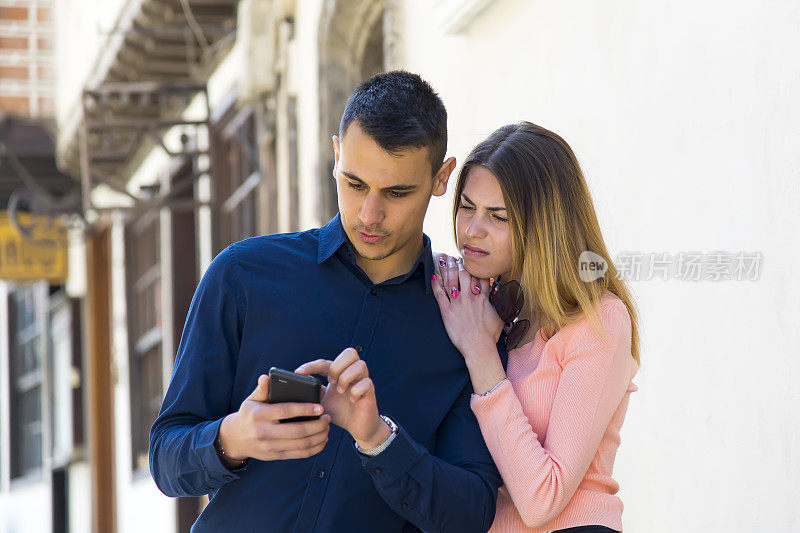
(146, 135)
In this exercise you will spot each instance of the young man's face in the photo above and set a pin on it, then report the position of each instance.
(383, 197)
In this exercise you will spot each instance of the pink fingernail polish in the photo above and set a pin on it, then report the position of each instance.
(476, 289)
(454, 294)
(433, 277)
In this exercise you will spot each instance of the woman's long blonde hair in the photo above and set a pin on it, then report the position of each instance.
(552, 221)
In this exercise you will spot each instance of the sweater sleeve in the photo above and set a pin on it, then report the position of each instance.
(541, 479)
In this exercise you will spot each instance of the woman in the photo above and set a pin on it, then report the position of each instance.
(524, 218)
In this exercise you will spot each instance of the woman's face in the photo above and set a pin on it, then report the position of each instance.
(484, 235)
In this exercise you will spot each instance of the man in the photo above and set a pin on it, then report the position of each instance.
(358, 287)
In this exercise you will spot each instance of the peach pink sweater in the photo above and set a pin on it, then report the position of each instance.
(553, 426)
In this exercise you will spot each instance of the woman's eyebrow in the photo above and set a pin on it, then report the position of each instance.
(493, 209)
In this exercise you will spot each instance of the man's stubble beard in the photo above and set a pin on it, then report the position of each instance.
(380, 257)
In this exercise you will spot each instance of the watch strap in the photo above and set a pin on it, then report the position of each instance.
(372, 452)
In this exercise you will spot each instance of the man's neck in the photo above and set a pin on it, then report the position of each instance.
(392, 266)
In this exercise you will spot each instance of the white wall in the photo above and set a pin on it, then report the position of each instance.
(304, 80)
(26, 509)
(684, 116)
(80, 498)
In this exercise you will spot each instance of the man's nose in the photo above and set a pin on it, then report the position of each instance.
(371, 211)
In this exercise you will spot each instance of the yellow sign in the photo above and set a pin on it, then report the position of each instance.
(43, 256)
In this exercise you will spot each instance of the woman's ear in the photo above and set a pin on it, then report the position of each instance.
(443, 176)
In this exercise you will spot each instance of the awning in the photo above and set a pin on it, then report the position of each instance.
(162, 56)
(28, 169)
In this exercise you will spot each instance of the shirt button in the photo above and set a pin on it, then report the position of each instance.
(358, 348)
(376, 471)
(373, 291)
(321, 474)
(404, 505)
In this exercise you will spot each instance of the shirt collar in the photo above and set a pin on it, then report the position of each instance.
(332, 237)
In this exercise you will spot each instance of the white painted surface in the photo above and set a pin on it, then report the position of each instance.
(80, 501)
(26, 508)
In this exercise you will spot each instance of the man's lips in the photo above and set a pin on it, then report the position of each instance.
(474, 251)
(372, 239)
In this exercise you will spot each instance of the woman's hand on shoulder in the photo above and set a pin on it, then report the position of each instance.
(446, 269)
(468, 316)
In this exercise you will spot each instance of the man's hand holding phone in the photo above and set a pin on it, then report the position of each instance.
(350, 397)
(255, 429)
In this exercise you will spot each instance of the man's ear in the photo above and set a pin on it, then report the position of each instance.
(335, 155)
(442, 176)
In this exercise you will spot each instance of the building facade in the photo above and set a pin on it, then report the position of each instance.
(193, 124)
(26, 57)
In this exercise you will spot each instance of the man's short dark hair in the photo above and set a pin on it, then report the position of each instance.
(399, 110)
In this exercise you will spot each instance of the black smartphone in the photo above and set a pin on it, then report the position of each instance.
(285, 386)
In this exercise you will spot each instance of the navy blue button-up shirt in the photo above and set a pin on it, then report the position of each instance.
(283, 300)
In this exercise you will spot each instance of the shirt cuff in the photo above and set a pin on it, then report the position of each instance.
(207, 453)
(394, 461)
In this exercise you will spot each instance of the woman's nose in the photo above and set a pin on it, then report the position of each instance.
(475, 229)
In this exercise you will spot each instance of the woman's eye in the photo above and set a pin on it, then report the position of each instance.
(500, 219)
(466, 207)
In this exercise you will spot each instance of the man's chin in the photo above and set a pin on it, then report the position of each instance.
(373, 253)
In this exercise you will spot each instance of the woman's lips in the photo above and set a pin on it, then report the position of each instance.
(372, 239)
(469, 251)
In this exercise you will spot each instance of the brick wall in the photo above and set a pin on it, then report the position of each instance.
(26, 58)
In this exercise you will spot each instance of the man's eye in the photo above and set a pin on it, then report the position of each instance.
(355, 186)
(398, 194)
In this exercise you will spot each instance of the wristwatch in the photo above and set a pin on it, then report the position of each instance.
(372, 452)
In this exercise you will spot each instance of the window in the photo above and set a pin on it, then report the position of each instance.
(236, 178)
(143, 259)
(25, 349)
(65, 378)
